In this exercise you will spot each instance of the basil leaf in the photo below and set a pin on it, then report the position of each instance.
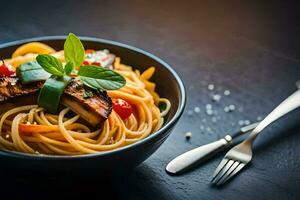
(50, 64)
(100, 78)
(69, 68)
(74, 50)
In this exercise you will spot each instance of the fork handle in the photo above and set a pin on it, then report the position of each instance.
(195, 156)
(289, 104)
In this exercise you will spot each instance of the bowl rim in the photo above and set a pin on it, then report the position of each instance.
(164, 128)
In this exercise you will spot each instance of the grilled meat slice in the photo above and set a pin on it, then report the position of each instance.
(11, 87)
(94, 108)
(14, 94)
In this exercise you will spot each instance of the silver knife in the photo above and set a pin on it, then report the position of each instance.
(200, 154)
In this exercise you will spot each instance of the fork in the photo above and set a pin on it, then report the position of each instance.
(241, 154)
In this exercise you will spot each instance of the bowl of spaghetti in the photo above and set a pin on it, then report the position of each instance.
(83, 104)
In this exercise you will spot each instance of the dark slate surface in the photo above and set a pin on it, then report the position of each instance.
(251, 48)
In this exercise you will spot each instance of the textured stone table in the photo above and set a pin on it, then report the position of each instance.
(251, 49)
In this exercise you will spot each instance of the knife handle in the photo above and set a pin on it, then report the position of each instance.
(197, 155)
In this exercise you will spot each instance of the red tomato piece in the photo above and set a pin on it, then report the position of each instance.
(6, 70)
(122, 107)
(85, 62)
(96, 63)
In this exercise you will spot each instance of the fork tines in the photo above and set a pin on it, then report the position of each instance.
(226, 169)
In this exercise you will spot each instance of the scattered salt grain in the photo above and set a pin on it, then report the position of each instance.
(231, 107)
(208, 106)
(226, 109)
(241, 122)
(216, 97)
(7, 136)
(197, 110)
(246, 122)
(188, 135)
(226, 92)
(211, 87)
(209, 112)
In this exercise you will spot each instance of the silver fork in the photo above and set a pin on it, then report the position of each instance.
(241, 154)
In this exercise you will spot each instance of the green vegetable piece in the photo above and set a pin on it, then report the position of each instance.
(69, 68)
(74, 50)
(51, 92)
(51, 64)
(31, 72)
(100, 78)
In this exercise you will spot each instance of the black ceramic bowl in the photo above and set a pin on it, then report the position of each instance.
(169, 86)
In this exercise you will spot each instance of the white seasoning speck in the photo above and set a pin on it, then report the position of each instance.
(209, 112)
(231, 107)
(241, 122)
(216, 97)
(188, 135)
(197, 110)
(7, 136)
(28, 123)
(226, 92)
(34, 123)
(211, 87)
(226, 109)
(246, 122)
(208, 106)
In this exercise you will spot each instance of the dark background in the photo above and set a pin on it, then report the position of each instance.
(251, 48)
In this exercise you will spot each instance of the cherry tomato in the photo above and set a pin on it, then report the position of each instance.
(6, 70)
(85, 62)
(122, 107)
(96, 63)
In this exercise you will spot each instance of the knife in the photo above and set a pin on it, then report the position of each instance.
(201, 154)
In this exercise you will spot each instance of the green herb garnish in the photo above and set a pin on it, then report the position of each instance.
(74, 50)
(51, 64)
(95, 77)
(100, 78)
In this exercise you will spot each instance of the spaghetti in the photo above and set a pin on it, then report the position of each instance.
(31, 129)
